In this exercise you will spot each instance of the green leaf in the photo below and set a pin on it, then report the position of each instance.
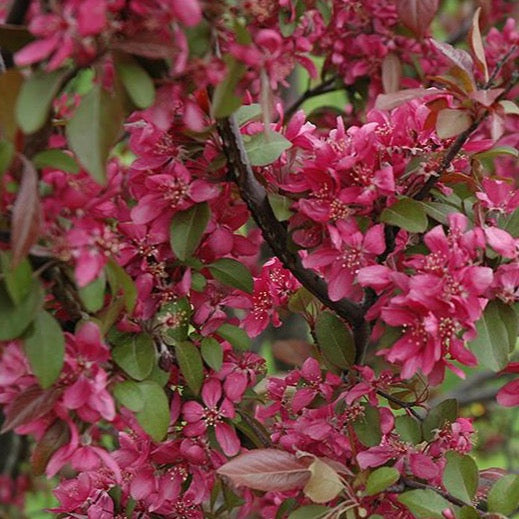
(280, 206)
(35, 99)
(325, 9)
(309, 512)
(174, 320)
(44, 345)
(503, 497)
(234, 335)
(232, 273)
(158, 375)
(6, 156)
(511, 224)
(94, 128)
(468, 512)
(497, 152)
(335, 340)
(154, 416)
(14, 319)
(247, 113)
(18, 280)
(438, 211)
(136, 81)
(136, 356)
(212, 353)
(408, 429)
(190, 364)
(187, 229)
(265, 148)
(225, 101)
(497, 332)
(380, 479)
(367, 427)
(424, 504)
(461, 476)
(444, 412)
(93, 295)
(128, 394)
(56, 159)
(120, 281)
(407, 214)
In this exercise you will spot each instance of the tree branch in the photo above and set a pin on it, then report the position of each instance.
(323, 88)
(15, 16)
(276, 235)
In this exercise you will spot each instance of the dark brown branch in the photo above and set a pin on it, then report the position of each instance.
(15, 16)
(276, 235)
(323, 88)
(405, 405)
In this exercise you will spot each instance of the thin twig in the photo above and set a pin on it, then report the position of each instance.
(499, 66)
(276, 235)
(323, 88)
(405, 405)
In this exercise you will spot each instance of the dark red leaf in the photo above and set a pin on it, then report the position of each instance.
(29, 405)
(54, 437)
(267, 470)
(146, 44)
(417, 15)
(26, 213)
(458, 57)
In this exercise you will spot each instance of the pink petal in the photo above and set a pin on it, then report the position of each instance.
(227, 438)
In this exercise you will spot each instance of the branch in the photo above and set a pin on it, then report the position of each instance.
(275, 233)
(324, 88)
(15, 16)
(405, 405)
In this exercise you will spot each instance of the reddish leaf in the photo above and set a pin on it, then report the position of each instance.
(26, 213)
(417, 15)
(476, 44)
(391, 73)
(459, 58)
(267, 470)
(390, 101)
(146, 44)
(487, 97)
(54, 437)
(487, 478)
(452, 122)
(28, 406)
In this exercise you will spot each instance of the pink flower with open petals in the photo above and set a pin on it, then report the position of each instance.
(213, 414)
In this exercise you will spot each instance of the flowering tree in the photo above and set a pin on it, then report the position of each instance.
(165, 199)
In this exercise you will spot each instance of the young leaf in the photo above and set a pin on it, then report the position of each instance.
(136, 356)
(367, 427)
(503, 497)
(444, 412)
(380, 479)
(406, 213)
(27, 217)
(35, 99)
(174, 319)
(93, 295)
(461, 476)
(476, 44)
(247, 113)
(120, 281)
(56, 159)
(44, 345)
(460, 59)
(265, 148)
(136, 81)
(424, 504)
(154, 417)
(94, 128)
(267, 470)
(212, 353)
(190, 364)
(56, 435)
(14, 319)
(417, 15)
(394, 99)
(232, 273)
(225, 101)
(495, 329)
(236, 336)
(408, 429)
(187, 229)
(391, 73)
(451, 123)
(324, 483)
(335, 340)
(6, 155)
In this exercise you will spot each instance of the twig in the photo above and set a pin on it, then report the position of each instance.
(499, 66)
(275, 233)
(405, 405)
(15, 16)
(323, 88)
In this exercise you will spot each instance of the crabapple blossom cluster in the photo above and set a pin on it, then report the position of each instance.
(166, 204)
